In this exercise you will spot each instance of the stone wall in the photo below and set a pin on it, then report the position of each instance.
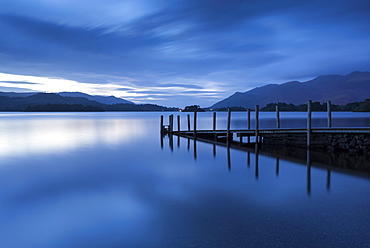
(349, 142)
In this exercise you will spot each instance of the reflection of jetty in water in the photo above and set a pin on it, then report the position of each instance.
(352, 164)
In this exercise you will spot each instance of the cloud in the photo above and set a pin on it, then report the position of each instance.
(82, 13)
(190, 86)
(45, 84)
(148, 46)
(19, 82)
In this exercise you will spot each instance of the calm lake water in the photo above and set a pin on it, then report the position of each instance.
(105, 180)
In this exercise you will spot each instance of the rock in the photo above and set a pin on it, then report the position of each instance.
(344, 146)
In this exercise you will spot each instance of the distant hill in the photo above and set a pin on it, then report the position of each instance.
(16, 94)
(21, 103)
(341, 90)
(101, 99)
(56, 102)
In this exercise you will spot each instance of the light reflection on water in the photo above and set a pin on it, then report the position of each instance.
(103, 180)
(40, 135)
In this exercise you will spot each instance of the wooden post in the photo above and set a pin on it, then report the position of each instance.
(309, 123)
(277, 117)
(214, 125)
(228, 124)
(195, 124)
(172, 121)
(188, 122)
(249, 124)
(257, 122)
(178, 123)
(161, 124)
(169, 124)
(214, 121)
(328, 106)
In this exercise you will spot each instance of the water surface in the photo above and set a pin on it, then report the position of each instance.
(104, 180)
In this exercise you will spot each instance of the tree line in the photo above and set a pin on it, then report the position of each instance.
(315, 106)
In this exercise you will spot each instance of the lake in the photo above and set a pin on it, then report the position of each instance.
(110, 180)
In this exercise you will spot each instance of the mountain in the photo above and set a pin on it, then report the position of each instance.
(21, 103)
(55, 102)
(16, 94)
(101, 99)
(340, 90)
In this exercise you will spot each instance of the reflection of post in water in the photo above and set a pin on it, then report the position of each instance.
(328, 180)
(171, 141)
(178, 141)
(228, 158)
(249, 159)
(162, 141)
(195, 149)
(214, 150)
(308, 172)
(256, 160)
(277, 166)
(188, 143)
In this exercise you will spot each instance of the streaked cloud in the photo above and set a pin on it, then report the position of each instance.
(190, 86)
(150, 51)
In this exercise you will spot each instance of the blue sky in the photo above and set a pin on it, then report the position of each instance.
(177, 52)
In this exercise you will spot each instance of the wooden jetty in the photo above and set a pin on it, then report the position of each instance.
(353, 140)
